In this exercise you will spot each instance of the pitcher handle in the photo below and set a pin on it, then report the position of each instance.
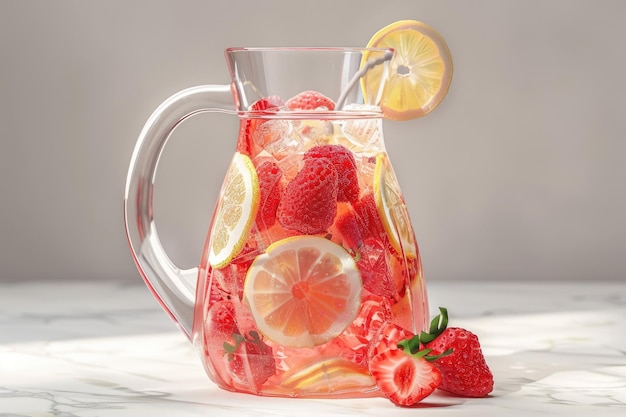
(173, 287)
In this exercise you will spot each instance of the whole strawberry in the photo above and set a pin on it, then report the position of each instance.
(251, 361)
(345, 165)
(464, 370)
(310, 100)
(219, 329)
(220, 324)
(309, 203)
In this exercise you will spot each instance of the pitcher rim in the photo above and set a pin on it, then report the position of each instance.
(233, 49)
(232, 55)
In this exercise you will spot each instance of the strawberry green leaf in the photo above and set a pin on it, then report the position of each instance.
(439, 323)
(229, 348)
(411, 346)
(432, 358)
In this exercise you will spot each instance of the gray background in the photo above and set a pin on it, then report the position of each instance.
(519, 174)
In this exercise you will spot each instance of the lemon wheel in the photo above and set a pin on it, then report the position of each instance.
(313, 378)
(419, 74)
(391, 208)
(235, 212)
(303, 291)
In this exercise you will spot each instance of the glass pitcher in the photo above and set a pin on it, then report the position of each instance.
(310, 248)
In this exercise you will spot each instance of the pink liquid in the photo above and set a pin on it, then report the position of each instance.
(240, 357)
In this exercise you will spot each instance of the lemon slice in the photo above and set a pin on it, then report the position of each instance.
(328, 375)
(236, 211)
(419, 74)
(303, 291)
(391, 208)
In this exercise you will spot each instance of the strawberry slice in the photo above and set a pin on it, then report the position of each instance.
(402, 372)
(403, 378)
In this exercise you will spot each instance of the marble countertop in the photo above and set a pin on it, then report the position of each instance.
(86, 349)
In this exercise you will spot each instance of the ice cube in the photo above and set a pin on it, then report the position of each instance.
(290, 164)
(364, 133)
(271, 133)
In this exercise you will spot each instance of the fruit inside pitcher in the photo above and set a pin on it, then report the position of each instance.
(311, 250)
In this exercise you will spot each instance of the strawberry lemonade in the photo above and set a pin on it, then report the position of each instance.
(310, 282)
(311, 251)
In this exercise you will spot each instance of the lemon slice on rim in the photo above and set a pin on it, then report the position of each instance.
(236, 211)
(419, 74)
(303, 291)
(391, 208)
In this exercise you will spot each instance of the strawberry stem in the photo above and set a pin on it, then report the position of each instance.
(239, 339)
(230, 349)
(412, 346)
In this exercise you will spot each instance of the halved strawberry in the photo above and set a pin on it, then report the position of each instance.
(404, 378)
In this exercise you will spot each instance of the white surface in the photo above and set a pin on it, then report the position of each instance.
(519, 174)
(106, 349)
